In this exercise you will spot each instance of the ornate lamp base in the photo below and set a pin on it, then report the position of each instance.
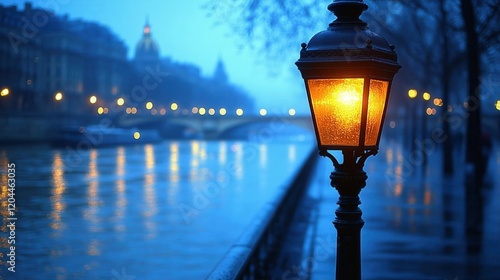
(349, 178)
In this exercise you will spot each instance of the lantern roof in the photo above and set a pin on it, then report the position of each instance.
(348, 40)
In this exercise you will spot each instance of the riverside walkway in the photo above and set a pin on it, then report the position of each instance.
(414, 223)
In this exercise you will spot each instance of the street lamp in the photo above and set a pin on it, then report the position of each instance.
(348, 71)
(58, 96)
(4, 92)
(426, 96)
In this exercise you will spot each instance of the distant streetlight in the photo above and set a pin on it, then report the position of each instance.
(426, 96)
(263, 112)
(438, 102)
(137, 135)
(222, 111)
(412, 93)
(120, 101)
(348, 71)
(174, 106)
(58, 96)
(149, 105)
(239, 112)
(4, 92)
(93, 99)
(202, 111)
(100, 110)
(497, 105)
(291, 112)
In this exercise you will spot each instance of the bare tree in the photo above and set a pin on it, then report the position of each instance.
(433, 37)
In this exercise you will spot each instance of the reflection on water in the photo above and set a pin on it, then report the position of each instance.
(292, 152)
(120, 187)
(174, 164)
(149, 192)
(4, 161)
(262, 156)
(239, 167)
(58, 188)
(167, 207)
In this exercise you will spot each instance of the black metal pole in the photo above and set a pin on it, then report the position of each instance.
(349, 178)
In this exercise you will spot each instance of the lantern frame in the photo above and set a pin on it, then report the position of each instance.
(348, 50)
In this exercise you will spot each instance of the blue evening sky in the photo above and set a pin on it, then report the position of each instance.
(185, 33)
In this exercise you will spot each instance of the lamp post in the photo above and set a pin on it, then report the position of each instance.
(348, 71)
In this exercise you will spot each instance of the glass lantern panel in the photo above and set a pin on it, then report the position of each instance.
(376, 104)
(336, 105)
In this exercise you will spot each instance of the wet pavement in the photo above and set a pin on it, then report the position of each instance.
(415, 222)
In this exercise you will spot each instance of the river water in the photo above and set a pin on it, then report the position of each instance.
(158, 211)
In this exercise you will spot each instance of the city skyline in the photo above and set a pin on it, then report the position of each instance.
(186, 34)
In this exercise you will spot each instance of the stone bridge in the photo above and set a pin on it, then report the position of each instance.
(216, 126)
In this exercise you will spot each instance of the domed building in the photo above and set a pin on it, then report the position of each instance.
(146, 51)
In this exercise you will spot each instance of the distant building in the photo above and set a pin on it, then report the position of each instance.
(147, 52)
(50, 63)
(19, 58)
(42, 54)
(184, 85)
(220, 74)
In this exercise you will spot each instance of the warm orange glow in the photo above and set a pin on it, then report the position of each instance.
(438, 102)
(337, 109)
(147, 29)
(412, 93)
(4, 92)
(376, 105)
(337, 106)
